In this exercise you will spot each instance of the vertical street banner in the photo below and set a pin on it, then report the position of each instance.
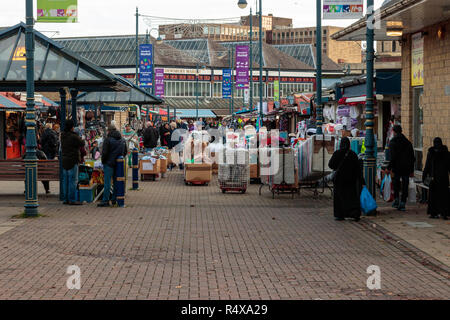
(242, 67)
(342, 9)
(226, 83)
(145, 65)
(57, 11)
(417, 59)
(159, 82)
(276, 90)
(247, 96)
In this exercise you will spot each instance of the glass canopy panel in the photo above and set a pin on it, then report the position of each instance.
(59, 68)
(39, 57)
(195, 48)
(85, 75)
(108, 97)
(122, 96)
(18, 70)
(6, 48)
(300, 52)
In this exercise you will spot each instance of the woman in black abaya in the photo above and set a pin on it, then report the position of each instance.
(437, 167)
(347, 182)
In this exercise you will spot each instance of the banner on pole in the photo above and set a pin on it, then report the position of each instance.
(226, 83)
(159, 83)
(145, 65)
(57, 11)
(246, 96)
(342, 9)
(276, 89)
(242, 67)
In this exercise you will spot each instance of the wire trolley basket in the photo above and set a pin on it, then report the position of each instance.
(234, 170)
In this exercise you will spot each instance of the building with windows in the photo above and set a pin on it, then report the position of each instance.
(425, 62)
(181, 59)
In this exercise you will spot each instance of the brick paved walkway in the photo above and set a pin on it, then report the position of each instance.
(178, 242)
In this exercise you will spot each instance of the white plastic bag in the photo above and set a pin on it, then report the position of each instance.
(412, 193)
(387, 189)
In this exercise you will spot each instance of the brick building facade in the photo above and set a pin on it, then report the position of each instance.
(435, 100)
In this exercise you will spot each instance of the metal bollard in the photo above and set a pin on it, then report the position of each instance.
(135, 169)
(120, 188)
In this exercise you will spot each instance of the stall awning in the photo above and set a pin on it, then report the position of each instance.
(191, 113)
(10, 103)
(106, 108)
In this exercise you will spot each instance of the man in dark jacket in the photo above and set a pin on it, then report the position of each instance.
(114, 146)
(402, 165)
(49, 142)
(71, 157)
(151, 136)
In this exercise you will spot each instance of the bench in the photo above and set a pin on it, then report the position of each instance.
(14, 170)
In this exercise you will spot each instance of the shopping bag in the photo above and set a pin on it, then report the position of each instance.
(388, 190)
(412, 193)
(368, 203)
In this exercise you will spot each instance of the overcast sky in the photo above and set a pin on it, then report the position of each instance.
(115, 17)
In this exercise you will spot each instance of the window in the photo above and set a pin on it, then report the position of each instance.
(324, 31)
(394, 46)
(382, 46)
(310, 33)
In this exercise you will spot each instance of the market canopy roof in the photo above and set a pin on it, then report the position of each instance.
(54, 66)
(135, 96)
(413, 14)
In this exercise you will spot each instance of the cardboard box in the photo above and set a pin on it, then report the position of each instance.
(254, 171)
(163, 165)
(147, 167)
(201, 172)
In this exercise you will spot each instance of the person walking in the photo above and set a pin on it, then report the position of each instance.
(49, 142)
(71, 144)
(402, 165)
(347, 182)
(437, 168)
(114, 146)
(150, 136)
(165, 135)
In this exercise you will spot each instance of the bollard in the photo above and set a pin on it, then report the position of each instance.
(135, 169)
(120, 184)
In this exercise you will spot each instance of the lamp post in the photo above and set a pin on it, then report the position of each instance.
(319, 119)
(369, 159)
(196, 94)
(243, 4)
(137, 46)
(31, 198)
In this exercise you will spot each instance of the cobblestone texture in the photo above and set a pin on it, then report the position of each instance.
(192, 242)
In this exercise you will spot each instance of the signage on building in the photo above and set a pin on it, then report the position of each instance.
(145, 65)
(57, 11)
(242, 67)
(342, 9)
(159, 83)
(276, 89)
(417, 59)
(226, 83)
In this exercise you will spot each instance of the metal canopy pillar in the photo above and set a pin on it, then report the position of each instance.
(62, 115)
(137, 46)
(74, 94)
(369, 159)
(251, 59)
(319, 111)
(261, 62)
(31, 197)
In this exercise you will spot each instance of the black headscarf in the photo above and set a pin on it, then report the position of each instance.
(437, 143)
(345, 144)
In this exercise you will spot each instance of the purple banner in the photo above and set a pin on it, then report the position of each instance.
(159, 83)
(242, 67)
